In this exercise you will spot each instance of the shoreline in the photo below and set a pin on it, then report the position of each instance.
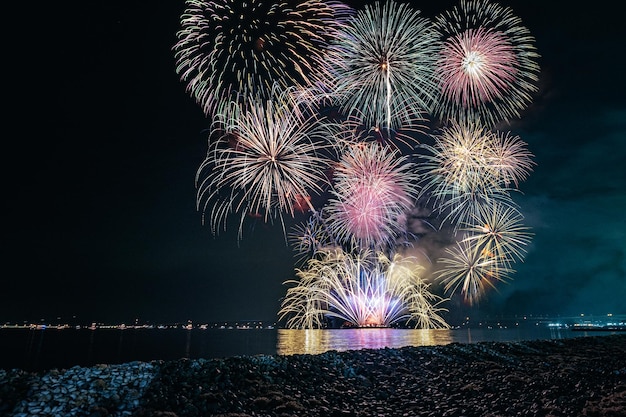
(42, 350)
(584, 376)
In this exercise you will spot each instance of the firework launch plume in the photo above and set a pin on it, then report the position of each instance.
(363, 290)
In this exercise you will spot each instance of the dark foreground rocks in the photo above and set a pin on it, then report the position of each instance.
(584, 376)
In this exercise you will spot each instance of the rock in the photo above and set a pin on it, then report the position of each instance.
(583, 376)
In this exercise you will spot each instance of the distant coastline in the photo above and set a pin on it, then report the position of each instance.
(42, 347)
(610, 321)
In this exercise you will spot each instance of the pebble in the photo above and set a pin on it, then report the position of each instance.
(584, 376)
(79, 390)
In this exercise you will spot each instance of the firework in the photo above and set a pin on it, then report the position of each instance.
(487, 66)
(233, 48)
(379, 66)
(268, 159)
(510, 161)
(470, 167)
(362, 290)
(373, 190)
(498, 230)
(311, 237)
(471, 269)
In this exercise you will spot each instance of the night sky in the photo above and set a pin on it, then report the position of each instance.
(103, 145)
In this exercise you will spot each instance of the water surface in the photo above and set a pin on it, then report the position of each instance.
(53, 348)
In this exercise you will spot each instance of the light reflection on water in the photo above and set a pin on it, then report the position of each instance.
(46, 349)
(292, 342)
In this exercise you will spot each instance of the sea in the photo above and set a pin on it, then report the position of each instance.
(40, 349)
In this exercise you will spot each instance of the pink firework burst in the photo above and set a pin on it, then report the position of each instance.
(374, 187)
(487, 66)
(476, 66)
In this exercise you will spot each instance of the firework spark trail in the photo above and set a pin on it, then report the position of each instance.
(381, 66)
(487, 66)
(373, 189)
(231, 48)
(364, 290)
(267, 160)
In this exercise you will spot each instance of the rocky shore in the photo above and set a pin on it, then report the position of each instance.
(583, 376)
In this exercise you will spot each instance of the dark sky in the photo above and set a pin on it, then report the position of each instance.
(103, 145)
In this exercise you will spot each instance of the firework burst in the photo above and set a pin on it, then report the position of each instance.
(365, 290)
(373, 189)
(487, 66)
(469, 167)
(380, 65)
(267, 160)
(498, 230)
(233, 48)
(266, 73)
(471, 269)
(311, 237)
(510, 161)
